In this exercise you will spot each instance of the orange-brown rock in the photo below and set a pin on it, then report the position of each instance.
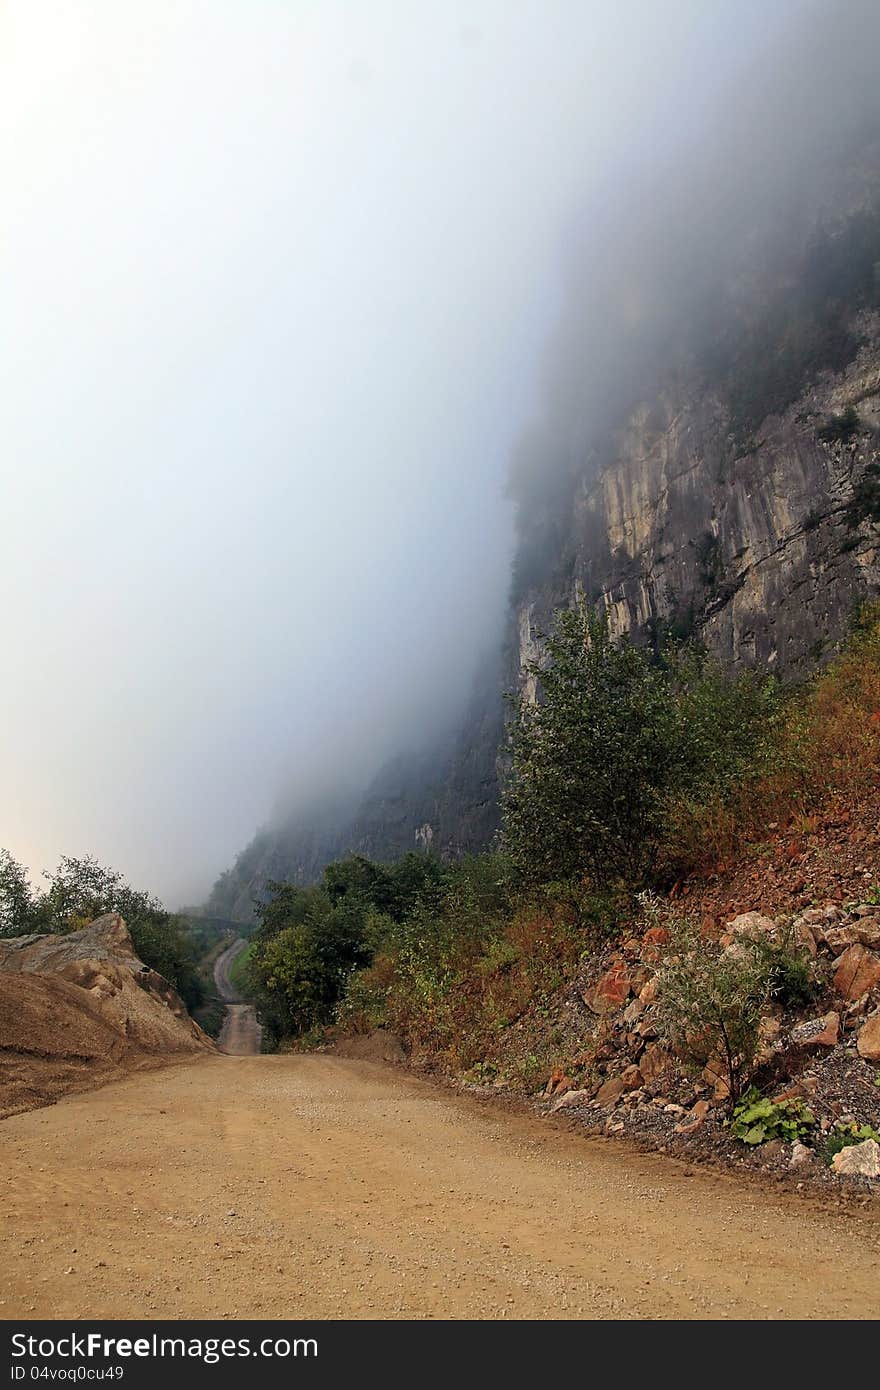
(654, 1061)
(868, 1042)
(610, 1092)
(696, 1116)
(610, 991)
(858, 970)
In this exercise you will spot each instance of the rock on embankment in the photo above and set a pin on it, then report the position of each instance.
(81, 1009)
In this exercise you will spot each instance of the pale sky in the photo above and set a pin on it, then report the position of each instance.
(276, 282)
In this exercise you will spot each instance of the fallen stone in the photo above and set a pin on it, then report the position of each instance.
(610, 1092)
(632, 1078)
(569, 1099)
(868, 1042)
(858, 1160)
(817, 1032)
(557, 1083)
(858, 970)
(696, 1117)
(648, 992)
(838, 939)
(818, 920)
(800, 1155)
(751, 924)
(868, 932)
(802, 1089)
(769, 1030)
(803, 933)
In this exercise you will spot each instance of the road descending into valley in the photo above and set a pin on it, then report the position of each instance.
(240, 1034)
(313, 1186)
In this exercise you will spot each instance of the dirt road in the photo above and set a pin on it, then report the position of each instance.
(311, 1186)
(241, 1033)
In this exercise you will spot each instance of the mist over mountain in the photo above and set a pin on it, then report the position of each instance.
(719, 306)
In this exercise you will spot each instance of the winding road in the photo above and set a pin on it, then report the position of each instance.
(313, 1186)
(241, 1033)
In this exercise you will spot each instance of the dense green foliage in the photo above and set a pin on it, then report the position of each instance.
(757, 1119)
(81, 890)
(310, 939)
(612, 739)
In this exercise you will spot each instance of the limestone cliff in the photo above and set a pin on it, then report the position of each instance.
(761, 553)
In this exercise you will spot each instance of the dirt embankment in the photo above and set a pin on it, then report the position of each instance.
(304, 1186)
(82, 1009)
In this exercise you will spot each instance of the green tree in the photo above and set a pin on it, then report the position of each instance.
(17, 899)
(305, 948)
(615, 742)
(592, 759)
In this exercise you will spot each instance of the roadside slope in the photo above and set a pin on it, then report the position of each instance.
(79, 1009)
(290, 1186)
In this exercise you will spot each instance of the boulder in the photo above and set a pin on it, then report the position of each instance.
(858, 1160)
(819, 919)
(769, 1030)
(631, 1077)
(648, 992)
(839, 939)
(867, 930)
(610, 991)
(817, 1032)
(751, 924)
(611, 1091)
(858, 970)
(868, 1042)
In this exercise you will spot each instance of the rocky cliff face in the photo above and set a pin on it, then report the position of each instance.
(761, 553)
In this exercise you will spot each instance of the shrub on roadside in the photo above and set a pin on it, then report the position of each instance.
(710, 1002)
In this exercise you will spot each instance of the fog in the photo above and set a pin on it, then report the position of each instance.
(279, 280)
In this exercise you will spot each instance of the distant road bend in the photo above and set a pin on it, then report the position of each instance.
(241, 1033)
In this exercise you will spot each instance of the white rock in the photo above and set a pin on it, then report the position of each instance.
(570, 1098)
(859, 1160)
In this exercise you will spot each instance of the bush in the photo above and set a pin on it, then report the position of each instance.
(757, 1119)
(17, 900)
(710, 1003)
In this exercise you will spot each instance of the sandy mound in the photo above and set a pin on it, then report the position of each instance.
(80, 1009)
